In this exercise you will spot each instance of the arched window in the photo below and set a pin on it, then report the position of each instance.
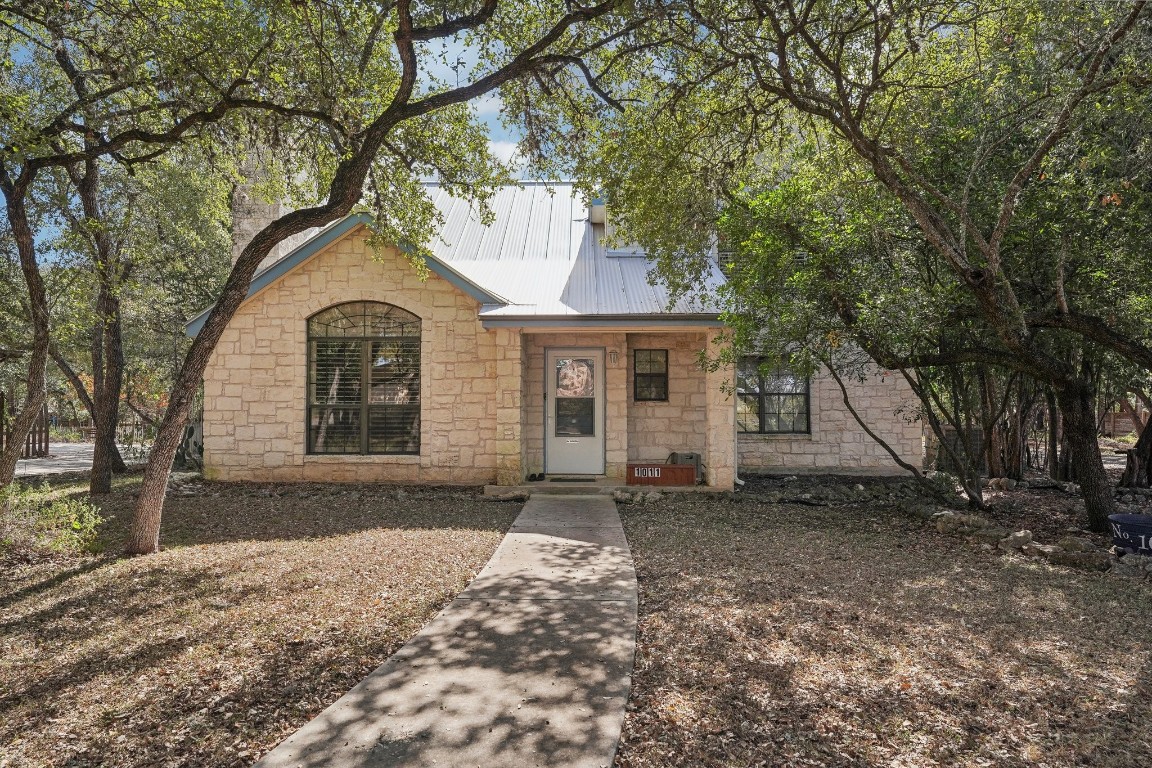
(364, 379)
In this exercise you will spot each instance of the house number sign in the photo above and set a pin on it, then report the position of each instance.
(1144, 539)
(647, 471)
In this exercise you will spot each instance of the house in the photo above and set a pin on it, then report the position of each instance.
(527, 347)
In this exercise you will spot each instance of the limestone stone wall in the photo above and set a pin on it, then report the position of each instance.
(655, 429)
(837, 443)
(254, 387)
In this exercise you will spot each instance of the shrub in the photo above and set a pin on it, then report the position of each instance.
(65, 435)
(32, 523)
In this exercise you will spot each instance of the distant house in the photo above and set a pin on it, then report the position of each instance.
(529, 348)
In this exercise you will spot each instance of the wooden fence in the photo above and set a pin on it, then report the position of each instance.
(36, 444)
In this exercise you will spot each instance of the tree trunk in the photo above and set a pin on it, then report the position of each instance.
(106, 457)
(1130, 412)
(1014, 442)
(1138, 472)
(990, 418)
(107, 344)
(85, 399)
(74, 379)
(144, 536)
(1080, 430)
(1052, 459)
(34, 397)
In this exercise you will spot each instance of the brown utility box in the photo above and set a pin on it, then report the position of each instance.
(661, 474)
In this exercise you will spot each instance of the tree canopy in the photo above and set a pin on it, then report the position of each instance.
(940, 183)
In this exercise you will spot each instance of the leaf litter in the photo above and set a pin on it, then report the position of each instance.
(266, 605)
(852, 635)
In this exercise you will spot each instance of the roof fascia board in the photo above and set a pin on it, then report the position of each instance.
(322, 240)
(592, 322)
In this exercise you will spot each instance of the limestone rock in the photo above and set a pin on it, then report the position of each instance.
(1128, 571)
(1016, 540)
(1143, 562)
(992, 535)
(1090, 561)
(916, 508)
(1076, 544)
(955, 522)
(1036, 549)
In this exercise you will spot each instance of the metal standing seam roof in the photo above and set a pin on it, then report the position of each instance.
(540, 258)
(542, 254)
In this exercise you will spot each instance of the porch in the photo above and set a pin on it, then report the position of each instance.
(591, 401)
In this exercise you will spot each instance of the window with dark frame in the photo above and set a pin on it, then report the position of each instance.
(650, 374)
(363, 380)
(774, 402)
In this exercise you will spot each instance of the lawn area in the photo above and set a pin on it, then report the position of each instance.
(266, 605)
(849, 635)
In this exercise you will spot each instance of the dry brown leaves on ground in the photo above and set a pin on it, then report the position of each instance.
(779, 635)
(266, 605)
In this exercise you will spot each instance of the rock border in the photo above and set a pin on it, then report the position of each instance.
(1071, 551)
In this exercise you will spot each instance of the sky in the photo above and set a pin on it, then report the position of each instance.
(450, 59)
(501, 141)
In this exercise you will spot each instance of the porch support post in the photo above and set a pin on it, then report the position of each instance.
(616, 400)
(720, 418)
(509, 384)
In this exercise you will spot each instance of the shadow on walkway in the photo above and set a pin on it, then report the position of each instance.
(530, 666)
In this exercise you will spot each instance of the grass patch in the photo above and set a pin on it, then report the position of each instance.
(268, 603)
(36, 522)
(775, 635)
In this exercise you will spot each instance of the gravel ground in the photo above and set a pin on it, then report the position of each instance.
(853, 635)
(266, 605)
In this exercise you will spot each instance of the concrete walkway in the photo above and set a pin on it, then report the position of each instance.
(529, 666)
(62, 457)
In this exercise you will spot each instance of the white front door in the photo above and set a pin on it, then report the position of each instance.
(574, 411)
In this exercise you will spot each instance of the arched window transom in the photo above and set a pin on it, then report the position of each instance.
(364, 380)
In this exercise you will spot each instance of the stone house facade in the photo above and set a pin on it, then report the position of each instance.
(527, 349)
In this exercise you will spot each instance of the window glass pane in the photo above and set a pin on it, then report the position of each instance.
(335, 368)
(747, 376)
(651, 387)
(394, 429)
(784, 381)
(651, 361)
(334, 430)
(575, 377)
(395, 372)
(785, 413)
(575, 416)
(363, 319)
(748, 413)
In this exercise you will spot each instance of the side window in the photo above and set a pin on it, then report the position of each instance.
(650, 374)
(771, 402)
